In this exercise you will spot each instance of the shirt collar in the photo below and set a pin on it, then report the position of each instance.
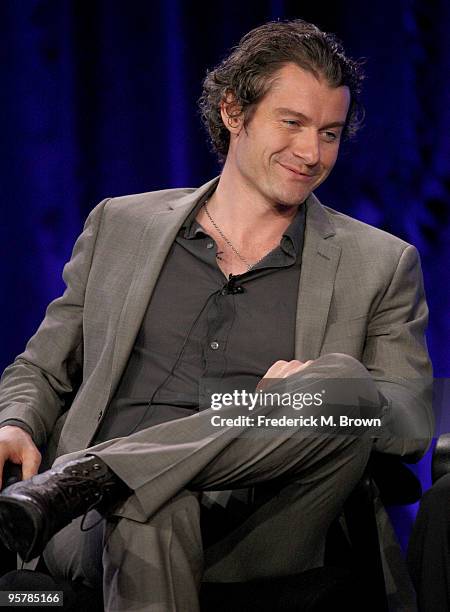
(291, 241)
(191, 228)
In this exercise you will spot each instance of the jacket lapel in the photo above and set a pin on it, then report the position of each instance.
(157, 238)
(319, 266)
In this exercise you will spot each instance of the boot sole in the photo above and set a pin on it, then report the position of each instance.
(21, 525)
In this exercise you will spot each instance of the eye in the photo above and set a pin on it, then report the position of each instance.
(291, 122)
(329, 136)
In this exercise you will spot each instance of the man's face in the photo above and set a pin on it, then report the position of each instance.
(291, 142)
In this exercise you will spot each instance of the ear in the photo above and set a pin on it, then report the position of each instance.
(230, 111)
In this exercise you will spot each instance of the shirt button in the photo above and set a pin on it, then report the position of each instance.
(214, 345)
(209, 245)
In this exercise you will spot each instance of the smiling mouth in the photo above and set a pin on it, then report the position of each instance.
(300, 175)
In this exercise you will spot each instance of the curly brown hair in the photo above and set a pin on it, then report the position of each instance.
(246, 74)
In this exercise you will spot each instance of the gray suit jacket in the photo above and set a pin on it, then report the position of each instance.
(360, 293)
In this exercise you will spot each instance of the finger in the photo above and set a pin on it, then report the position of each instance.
(304, 365)
(30, 463)
(294, 364)
(274, 368)
(299, 368)
(290, 368)
(281, 368)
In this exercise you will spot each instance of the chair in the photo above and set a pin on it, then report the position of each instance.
(429, 545)
(440, 465)
(390, 480)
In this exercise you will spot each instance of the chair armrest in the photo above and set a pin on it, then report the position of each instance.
(396, 483)
(440, 465)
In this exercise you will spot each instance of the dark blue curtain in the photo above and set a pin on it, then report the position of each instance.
(98, 98)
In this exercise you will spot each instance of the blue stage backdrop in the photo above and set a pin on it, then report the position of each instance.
(99, 99)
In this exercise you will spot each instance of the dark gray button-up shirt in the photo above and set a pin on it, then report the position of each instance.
(200, 335)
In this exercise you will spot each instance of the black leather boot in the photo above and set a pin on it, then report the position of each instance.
(33, 510)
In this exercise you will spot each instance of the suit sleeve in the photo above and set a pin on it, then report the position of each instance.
(34, 388)
(396, 355)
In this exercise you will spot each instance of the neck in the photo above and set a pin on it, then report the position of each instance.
(240, 210)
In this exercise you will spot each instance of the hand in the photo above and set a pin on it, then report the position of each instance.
(17, 446)
(282, 369)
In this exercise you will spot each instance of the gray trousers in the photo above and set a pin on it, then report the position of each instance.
(149, 555)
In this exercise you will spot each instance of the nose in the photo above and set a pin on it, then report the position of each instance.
(307, 147)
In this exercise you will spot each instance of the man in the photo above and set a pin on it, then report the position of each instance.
(175, 296)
